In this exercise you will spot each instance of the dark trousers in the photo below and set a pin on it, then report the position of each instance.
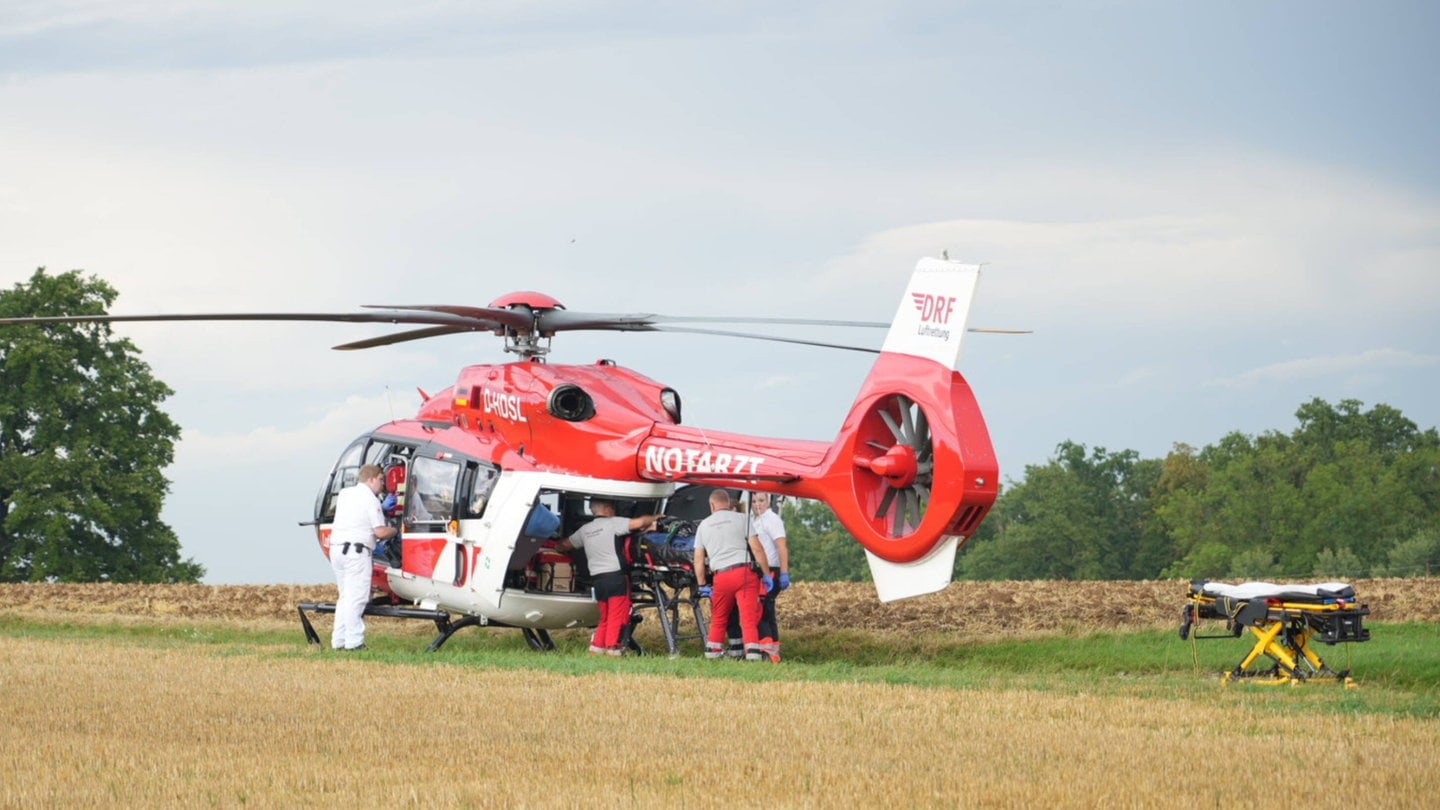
(769, 628)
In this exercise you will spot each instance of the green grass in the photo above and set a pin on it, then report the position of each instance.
(1398, 669)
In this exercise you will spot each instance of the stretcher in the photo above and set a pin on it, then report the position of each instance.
(662, 579)
(1283, 620)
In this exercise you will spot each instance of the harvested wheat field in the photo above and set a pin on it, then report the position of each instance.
(114, 718)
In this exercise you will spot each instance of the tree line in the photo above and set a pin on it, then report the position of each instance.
(1348, 493)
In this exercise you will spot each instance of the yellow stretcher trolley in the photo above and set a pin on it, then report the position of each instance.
(1284, 620)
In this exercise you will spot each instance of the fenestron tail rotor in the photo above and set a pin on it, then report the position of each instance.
(905, 466)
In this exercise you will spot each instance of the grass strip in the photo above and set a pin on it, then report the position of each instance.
(1398, 670)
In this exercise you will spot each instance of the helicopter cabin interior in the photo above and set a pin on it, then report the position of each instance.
(536, 565)
(435, 488)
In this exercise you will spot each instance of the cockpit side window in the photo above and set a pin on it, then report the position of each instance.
(431, 491)
(479, 481)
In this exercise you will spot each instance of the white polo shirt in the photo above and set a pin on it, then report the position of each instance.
(357, 516)
(768, 527)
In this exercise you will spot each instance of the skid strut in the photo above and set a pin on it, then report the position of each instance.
(538, 640)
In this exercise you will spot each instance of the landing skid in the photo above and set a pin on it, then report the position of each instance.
(539, 640)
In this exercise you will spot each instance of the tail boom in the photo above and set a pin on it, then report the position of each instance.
(912, 472)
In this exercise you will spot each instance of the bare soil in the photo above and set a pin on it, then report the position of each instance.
(978, 608)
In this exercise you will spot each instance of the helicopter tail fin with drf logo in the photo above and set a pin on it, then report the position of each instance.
(913, 471)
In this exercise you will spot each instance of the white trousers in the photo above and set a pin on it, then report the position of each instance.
(352, 577)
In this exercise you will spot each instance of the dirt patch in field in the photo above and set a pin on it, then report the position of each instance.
(990, 608)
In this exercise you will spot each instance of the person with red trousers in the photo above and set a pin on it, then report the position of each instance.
(735, 559)
(609, 584)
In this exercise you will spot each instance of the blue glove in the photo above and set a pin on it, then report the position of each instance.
(705, 591)
(784, 580)
(766, 583)
(388, 503)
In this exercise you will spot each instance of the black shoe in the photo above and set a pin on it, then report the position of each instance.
(356, 649)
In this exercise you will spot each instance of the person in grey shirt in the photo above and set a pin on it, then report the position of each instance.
(735, 559)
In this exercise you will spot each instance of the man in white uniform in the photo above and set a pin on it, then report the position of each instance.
(359, 524)
(769, 529)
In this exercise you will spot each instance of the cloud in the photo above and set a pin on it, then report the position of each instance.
(321, 437)
(1215, 245)
(1363, 366)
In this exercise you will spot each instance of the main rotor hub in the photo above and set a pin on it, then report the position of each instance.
(529, 346)
(526, 298)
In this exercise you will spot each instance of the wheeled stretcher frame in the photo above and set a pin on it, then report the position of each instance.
(1283, 619)
(670, 589)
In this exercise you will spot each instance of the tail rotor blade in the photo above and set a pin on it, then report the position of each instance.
(885, 503)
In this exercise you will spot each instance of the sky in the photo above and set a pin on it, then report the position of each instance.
(1208, 213)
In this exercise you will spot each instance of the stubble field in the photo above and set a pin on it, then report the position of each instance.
(199, 695)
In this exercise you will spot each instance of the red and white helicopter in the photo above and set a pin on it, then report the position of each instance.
(911, 472)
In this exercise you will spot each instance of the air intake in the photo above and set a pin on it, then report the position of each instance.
(571, 403)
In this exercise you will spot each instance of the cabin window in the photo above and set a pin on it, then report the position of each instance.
(479, 482)
(430, 496)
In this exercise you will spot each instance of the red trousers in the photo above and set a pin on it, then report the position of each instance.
(736, 588)
(614, 613)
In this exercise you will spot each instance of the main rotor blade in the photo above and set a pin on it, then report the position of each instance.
(771, 338)
(379, 316)
(401, 337)
(565, 320)
(630, 321)
(520, 320)
(793, 321)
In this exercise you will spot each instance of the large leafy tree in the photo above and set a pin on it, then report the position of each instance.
(83, 442)
(1337, 493)
(820, 547)
(1083, 515)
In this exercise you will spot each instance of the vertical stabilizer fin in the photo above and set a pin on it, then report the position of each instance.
(903, 580)
(934, 312)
